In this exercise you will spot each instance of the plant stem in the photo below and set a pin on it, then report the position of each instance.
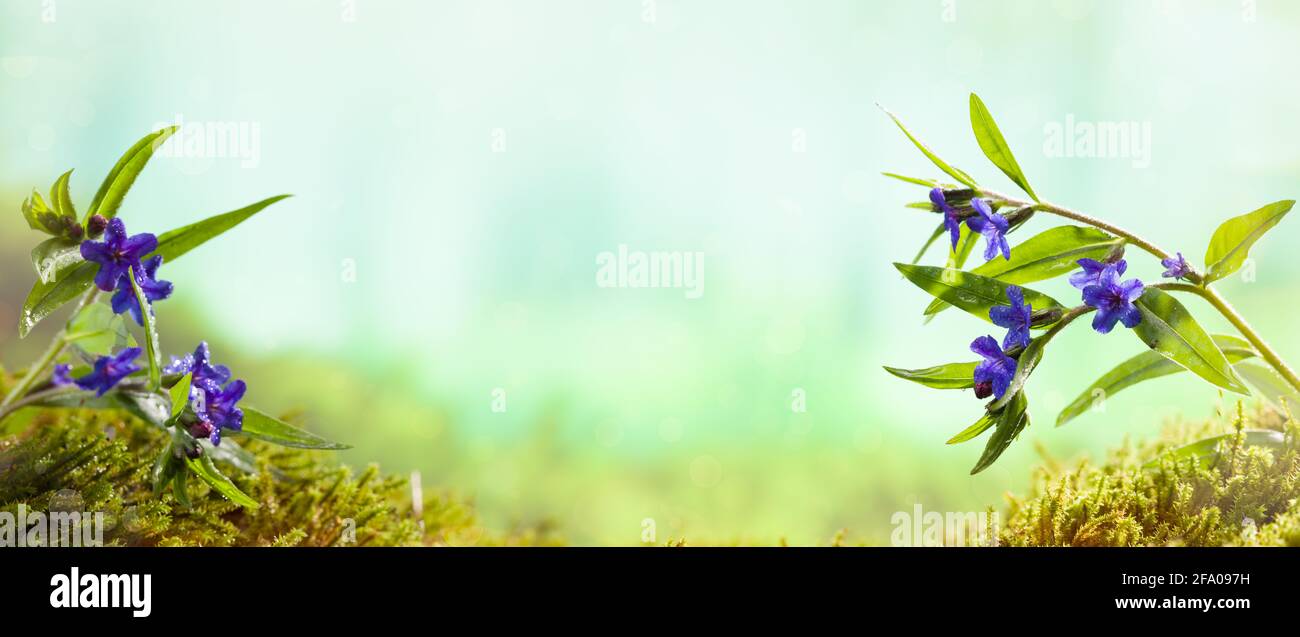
(36, 398)
(1221, 304)
(1062, 211)
(52, 352)
(1200, 288)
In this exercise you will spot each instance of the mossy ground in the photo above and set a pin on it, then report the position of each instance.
(93, 460)
(97, 460)
(1250, 495)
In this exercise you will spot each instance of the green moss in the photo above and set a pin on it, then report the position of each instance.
(96, 460)
(1250, 495)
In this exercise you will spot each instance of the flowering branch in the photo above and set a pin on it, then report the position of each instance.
(1093, 255)
(94, 355)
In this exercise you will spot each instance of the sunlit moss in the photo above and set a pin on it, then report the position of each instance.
(94, 460)
(1248, 496)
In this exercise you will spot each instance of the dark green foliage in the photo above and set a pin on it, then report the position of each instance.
(1247, 495)
(100, 460)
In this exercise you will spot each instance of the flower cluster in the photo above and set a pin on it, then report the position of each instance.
(993, 374)
(119, 255)
(1112, 298)
(107, 372)
(984, 221)
(213, 396)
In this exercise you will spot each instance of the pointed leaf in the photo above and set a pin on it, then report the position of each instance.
(258, 424)
(61, 198)
(1206, 451)
(1168, 328)
(180, 395)
(1271, 386)
(174, 243)
(33, 207)
(950, 376)
(943, 165)
(152, 350)
(994, 145)
(969, 433)
(45, 298)
(970, 292)
(119, 180)
(95, 330)
(1010, 422)
(939, 232)
(52, 256)
(1145, 366)
(928, 183)
(203, 468)
(1232, 241)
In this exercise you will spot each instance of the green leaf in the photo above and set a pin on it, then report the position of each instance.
(1145, 366)
(203, 468)
(943, 165)
(1232, 241)
(1206, 451)
(150, 334)
(33, 207)
(1044, 256)
(1271, 386)
(1010, 422)
(950, 376)
(994, 145)
(928, 183)
(52, 256)
(164, 469)
(61, 198)
(96, 330)
(174, 243)
(1168, 328)
(258, 424)
(974, 430)
(938, 232)
(119, 180)
(180, 396)
(45, 298)
(970, 292)
(180, 489)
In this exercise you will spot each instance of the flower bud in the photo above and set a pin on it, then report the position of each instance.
(1019, 216)
(984, 390)
(1116, 253)
(96, 225)
(1045, 317)
(194, 452)
(75, 232)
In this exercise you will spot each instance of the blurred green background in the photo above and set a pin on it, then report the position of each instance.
(458, 166)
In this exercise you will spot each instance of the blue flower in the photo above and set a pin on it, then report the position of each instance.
(117, 253)
(204, 374)
(993, 374)
(211, 397)
(1092, 271)
(62, 375)
(994, 228)
(1177, 268)
(1113, 299)
(154, 290)
(1015, 317)
(217, 411)
(950, 220)
(109, 370)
